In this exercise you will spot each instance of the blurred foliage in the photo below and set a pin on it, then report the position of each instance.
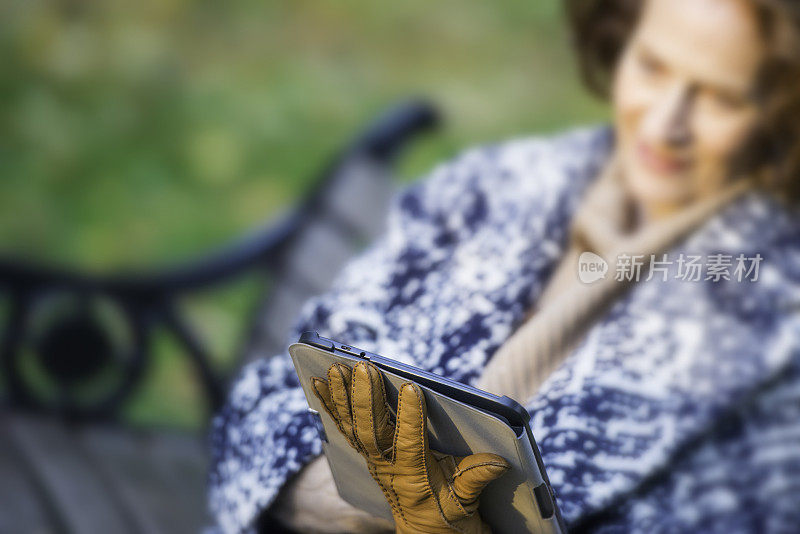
(139, 133)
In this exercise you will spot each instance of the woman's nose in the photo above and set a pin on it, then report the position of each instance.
(667, 121)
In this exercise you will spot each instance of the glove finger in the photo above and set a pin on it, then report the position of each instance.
(339, 377)
(323, 393)
(370, 410)
(410, 437)
(474, 472)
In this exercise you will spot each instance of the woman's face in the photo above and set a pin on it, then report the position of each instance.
(682, 99)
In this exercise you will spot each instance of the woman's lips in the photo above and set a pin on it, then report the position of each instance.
(659, 162)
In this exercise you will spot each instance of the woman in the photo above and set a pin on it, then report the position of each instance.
(675, 409)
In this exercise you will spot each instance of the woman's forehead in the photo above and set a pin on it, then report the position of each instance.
(715, 41)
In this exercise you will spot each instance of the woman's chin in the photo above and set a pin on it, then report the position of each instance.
(658, 190)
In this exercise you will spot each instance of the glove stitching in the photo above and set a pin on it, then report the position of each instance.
(371, 412)
(362, 448)
(464, 470)
(335, 418)
(351, 436)
(456, 499)
(338, 420)
(327, 403)
(394, 440)
(388, 408)
(397, 498)
(330, 382)
(374, 473)
(428, 488)
(320, 396)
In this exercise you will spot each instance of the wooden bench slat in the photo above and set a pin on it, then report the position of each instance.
(21, 506)
(81, 497)
(184, 460)
(134, 466)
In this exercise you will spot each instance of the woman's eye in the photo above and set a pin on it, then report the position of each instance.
(649, 64)
(728, 100)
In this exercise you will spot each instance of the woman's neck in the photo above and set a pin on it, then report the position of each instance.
(646, 213)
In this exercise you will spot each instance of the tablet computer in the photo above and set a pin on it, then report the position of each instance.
(462, 420)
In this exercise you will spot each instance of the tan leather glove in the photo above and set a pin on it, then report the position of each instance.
(428, 491)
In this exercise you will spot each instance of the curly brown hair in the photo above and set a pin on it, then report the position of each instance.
(601, 28)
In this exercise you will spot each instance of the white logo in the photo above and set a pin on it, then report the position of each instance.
(591, 267)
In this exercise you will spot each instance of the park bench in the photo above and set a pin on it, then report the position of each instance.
(68, 464)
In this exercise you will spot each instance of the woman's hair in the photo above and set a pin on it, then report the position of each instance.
(601, 28)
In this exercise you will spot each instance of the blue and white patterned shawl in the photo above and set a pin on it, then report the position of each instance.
(678, 412)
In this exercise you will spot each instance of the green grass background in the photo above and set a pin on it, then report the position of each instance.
(135, 134)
